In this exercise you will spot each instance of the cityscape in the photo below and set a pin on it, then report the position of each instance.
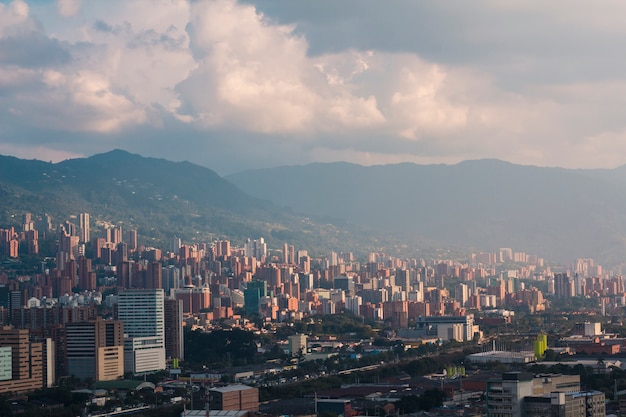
(250, 208)
(116, 316)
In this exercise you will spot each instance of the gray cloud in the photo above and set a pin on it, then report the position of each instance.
(368, 81)
(32, 50)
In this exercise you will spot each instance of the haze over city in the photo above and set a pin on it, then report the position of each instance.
(234, 85)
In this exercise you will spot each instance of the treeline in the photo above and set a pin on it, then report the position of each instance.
(220, 347)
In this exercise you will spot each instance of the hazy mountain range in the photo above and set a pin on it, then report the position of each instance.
(157, 197)
(556, 213)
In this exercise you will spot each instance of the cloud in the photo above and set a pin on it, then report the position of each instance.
(256, 75)
(68, 8)
(289, 82)
(14, 18)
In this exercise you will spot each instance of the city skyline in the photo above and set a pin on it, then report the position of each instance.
(241, 84)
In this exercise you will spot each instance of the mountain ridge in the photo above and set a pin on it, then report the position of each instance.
(557, 213)
(159, 198)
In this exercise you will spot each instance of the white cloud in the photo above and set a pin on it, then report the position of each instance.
(255, 75)
(221, 67)
(13, 17)
(68, 8)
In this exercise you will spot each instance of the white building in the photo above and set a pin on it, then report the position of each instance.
(142, 311)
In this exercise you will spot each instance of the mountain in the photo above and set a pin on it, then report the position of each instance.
(556, 213)
(159, 198)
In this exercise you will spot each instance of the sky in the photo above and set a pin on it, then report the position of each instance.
(236, 85)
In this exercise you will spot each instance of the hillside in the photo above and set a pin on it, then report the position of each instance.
(159, 198)
(556, 213)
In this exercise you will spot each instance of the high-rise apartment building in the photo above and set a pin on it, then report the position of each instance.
(83, 224)
(154, 276)
(142, 311)
(132, 240)
(563, 286)
(173, 316)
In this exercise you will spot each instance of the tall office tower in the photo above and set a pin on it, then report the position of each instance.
(83, 224)
(21, 368)
(132, 240)
(141, 310)
(95, 349)
(285, 253)
(174, 344)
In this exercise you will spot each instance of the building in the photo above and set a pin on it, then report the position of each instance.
(84, 227)
(132, 240)
(519, 394)
(173, 316)
(566, 404)
(194, 299)
(234, 397)
(563, 286)
(340, 407)
(505, 396)
(6, 363)
(26, 361)
(142, 311)
(95, 349)
(297, 344)
(49, 362)
(254, 291)
(429, 325)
